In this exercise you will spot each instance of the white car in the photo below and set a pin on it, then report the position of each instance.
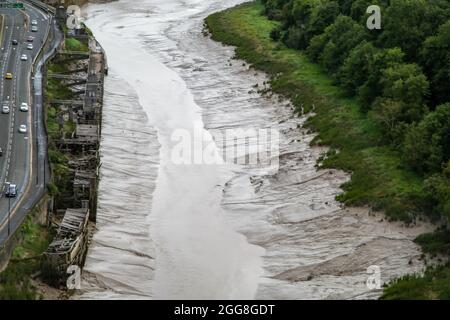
(34, 29)
(24, 57)
(23, 128)
(24, 107)
(34, 22)
(30, 46)
(10, 190)
(5, 109)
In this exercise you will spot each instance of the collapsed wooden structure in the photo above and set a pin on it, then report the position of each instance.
(70, 244)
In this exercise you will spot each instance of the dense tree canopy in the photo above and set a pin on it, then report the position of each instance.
(400, 74)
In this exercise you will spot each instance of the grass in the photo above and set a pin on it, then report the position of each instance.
(15, 281)
(73, 44)
(435, 243)
(435, 284)
(379, 178)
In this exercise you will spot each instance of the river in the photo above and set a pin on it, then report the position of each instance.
(216, 230)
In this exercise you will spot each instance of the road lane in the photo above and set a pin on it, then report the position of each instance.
(21, 165)
(9, 88)
(5, 88)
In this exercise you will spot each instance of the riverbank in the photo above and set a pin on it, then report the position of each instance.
(379, 178)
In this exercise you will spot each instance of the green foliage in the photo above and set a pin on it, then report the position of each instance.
(358, 9)
(437, 194)
(73, 44)
(15, 283)
(388, 115)
(435, 57)
(406, 83)
(435, 243)
(435, 284)
(378, 62)
(273, 8)
(334, 45)
(402, 100)
(356, 68)
(407, 23)
(427, 144)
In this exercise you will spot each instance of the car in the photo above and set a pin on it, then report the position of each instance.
(23, 57)
(10, 190)
(30, 46)
(34, 29)
(1, 152)
(15, 42)
(23, 128)
(30, 39)
(34, 22)
(5, 109)
(8, 76)
(24, 107)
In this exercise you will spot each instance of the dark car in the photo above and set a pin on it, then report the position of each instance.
(11, 190)
(1, 152)
(30, 39)
(15, 42)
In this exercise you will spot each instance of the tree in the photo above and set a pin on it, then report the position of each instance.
(437, 193)
(336, 42)
(407, 83)
(322, 16)
(407, 23)
(356, 68)
(377, 63)
(387, 114)
(358, 9)
(307, 19)
(427, 144)
(316, 46)
(273, 8)
(402, 101)
(435, 57)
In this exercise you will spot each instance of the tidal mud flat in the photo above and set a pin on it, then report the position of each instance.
(227, 231)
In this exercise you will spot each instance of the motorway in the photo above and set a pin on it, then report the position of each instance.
(20, 162)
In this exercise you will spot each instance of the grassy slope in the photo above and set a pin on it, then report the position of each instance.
(435, 284)
(73, 44)
(378, 176)
(15, 280)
